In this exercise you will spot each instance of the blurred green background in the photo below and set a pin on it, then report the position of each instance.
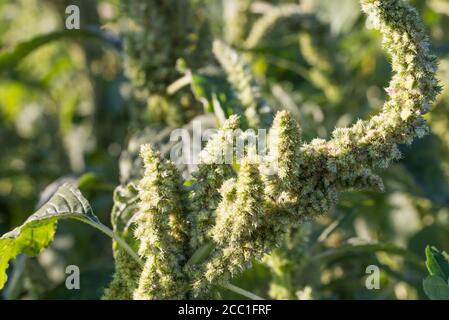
(66, 112)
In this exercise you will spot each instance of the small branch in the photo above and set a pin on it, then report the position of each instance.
(180, 83)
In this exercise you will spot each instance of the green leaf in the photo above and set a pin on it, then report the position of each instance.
(207, 88)
(436, 288)
(39, 229)
(124, 213)
(437, 263)
(10, 58)
(90, 181)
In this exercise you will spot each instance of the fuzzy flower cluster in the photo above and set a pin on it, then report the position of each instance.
(212, 172)
(158, 36)
(161, 229)
(194, 238)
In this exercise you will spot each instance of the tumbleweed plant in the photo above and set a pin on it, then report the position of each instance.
(183, 237)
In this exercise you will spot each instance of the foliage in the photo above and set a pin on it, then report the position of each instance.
(436, 285)
(69, 112)
(39, 229)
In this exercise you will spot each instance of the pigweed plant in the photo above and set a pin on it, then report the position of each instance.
(177, 238)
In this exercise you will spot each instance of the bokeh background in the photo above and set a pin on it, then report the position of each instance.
(67, 112)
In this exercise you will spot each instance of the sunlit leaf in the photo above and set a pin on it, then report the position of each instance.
(437, 263)
(39, 229)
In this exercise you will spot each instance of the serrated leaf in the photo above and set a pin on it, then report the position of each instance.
(436, 288)
(39, 229)
(437, 264)
(124, 212)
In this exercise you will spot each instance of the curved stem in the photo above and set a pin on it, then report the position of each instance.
(113, 235)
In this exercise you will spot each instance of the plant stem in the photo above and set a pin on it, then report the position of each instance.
(180, 83)
(113, 235)
(242, 292)
(201, 253)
